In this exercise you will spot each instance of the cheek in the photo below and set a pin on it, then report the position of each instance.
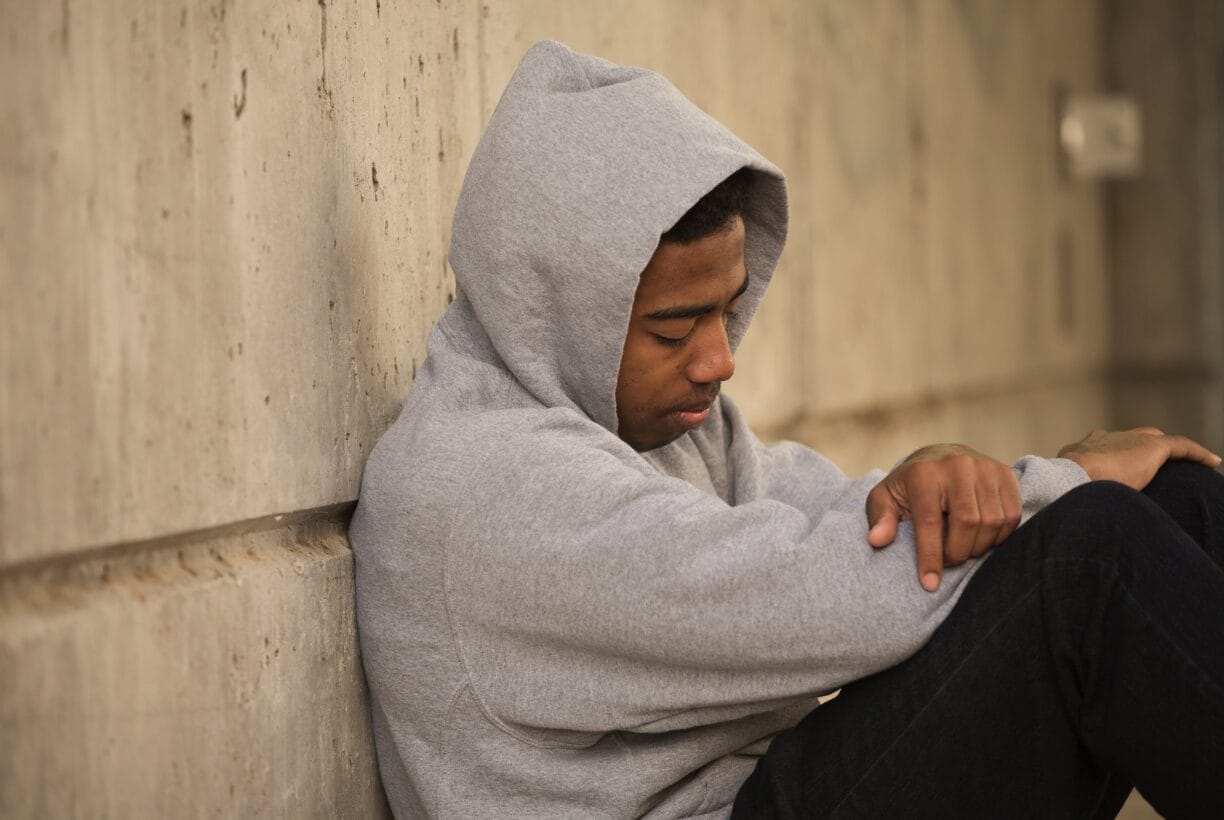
(649, 375)
(635, 392)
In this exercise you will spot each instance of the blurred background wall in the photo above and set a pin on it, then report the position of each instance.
(222, 244)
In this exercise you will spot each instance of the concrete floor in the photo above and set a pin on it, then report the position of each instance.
(1136, 808)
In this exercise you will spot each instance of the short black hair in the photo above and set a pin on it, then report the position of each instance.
(714, 211)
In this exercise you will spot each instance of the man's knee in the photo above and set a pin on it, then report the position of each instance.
(1095, 520)
(1187, 480)
(1094, 505)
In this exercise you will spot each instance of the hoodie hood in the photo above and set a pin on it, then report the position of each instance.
(583, 166)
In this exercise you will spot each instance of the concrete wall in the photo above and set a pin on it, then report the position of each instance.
(1167, 277)
(222, 244)
(941, 282)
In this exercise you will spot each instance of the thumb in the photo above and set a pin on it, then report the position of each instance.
(882, 518)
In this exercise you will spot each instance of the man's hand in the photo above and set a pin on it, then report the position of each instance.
(980, 496)
(1132, 457)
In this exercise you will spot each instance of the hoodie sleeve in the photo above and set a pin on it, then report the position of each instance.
(593, 596)
(808, 481)
(804, 479)
(1044, 480)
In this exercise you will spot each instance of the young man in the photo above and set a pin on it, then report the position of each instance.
(584, 587)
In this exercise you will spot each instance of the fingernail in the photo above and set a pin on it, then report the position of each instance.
(930, 581)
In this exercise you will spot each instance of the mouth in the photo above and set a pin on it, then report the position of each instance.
(695, 414)
(692, 418)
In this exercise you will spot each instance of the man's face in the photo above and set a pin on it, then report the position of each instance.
(676, 351)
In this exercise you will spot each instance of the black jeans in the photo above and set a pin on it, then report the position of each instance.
(1085, 655)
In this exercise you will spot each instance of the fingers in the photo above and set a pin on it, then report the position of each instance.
(964, 511)
(1181, 447)
(980, 497)
(1013, 505)
(1000, 506)
(990, 507)
(882, 517)
(927, 511)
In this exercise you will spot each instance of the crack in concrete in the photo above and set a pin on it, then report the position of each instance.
(65, 27)
(325, 94)
(240, 102)
(186, 119)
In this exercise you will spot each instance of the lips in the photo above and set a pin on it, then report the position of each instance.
(693, 418)
(694, 413)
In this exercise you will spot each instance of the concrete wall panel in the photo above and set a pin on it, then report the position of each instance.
(997, 420)
(224, 237)
(1167, 270)
(222, 244)
(934, 247)
(210, 678)
(948, 253)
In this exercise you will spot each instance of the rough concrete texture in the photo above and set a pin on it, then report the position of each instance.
(215, 678)
(224, 228)
(224, 240)
(935, 252)
(1006, 423)
(936, 261)
(222, 244)
(1167, 293)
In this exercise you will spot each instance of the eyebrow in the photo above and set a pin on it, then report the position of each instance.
(691, 311)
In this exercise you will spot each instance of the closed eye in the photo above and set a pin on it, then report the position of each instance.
(670, 342)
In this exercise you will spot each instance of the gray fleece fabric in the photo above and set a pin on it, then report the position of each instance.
(552, 624)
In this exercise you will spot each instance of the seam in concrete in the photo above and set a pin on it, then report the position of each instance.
(930, 402)
(926, 404)
(304, 527)
(1177, 372)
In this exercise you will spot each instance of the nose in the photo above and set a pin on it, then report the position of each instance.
(712, 360)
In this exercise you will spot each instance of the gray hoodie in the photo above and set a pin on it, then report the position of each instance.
(552, 624)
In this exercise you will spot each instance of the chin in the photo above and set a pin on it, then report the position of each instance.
(657, 441)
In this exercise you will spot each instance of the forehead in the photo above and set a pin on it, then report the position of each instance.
(697, 271)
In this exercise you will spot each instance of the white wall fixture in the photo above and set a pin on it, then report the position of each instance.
(1101, 135)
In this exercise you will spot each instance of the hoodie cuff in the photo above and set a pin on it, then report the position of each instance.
(1044, 480)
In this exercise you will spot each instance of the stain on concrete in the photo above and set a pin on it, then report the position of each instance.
(65, 26)
(325, 92)
(986, 23)
(374, 179)
(455, 42)
(240, 100)
(188, 138)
